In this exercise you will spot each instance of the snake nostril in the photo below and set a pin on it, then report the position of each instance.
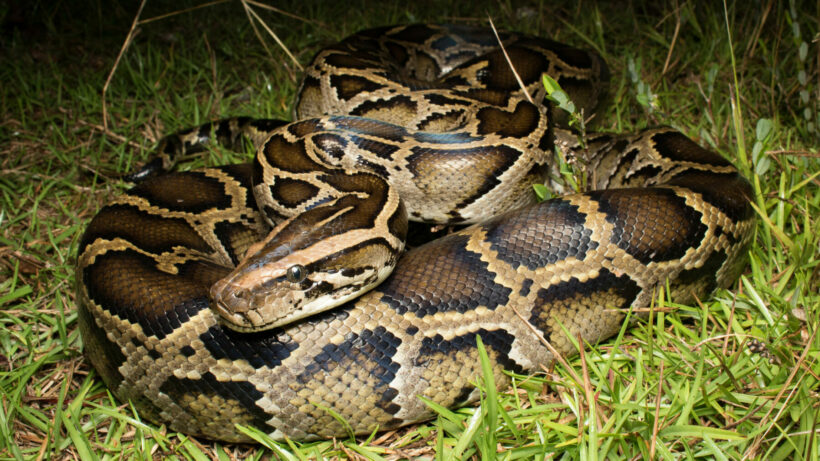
(237, 300)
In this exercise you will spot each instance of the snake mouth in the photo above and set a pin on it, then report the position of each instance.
(229, 302)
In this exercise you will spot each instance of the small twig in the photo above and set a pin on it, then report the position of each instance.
(217, 94)
(798, 153)
(750, 50)
(109, 133)
(555, 354)
(252, 15)
(185, 10)
(507, 57)
(674, 40)
(282, 12)
(128, 39)
(656, 423)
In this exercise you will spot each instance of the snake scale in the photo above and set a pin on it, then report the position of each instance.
(194, 310)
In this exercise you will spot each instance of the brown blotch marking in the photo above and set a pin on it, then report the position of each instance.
(348, 61)
(305, 127)
(443, 43)
(698, 281)
(416, 33)
(463, 280)
(475, 170)
(584, 93)
(729, 192)
(364, 358)
(541, 235)
(441, 100)
(518, 124)
(348, 86)
(677, 147)
(397, 52)
(575, 57)
(104, 354)
(651, 224)
(356, 259)
(487, 96)
(425, 69)
(397, 223)
(190, 191)
(153, 233)
(377, 148)
(292, 192)
(243, 174)
(528, 64)
(374, 185)
(289, 156)
(161, 302)
(333, 145)
(304, 230)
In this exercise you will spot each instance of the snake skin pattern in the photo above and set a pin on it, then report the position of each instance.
(449, 140)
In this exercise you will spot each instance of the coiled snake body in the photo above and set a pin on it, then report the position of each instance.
(435, 129)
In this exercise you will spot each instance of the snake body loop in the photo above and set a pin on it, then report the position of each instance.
(206, 297)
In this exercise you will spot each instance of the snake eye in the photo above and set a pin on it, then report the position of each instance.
(296, 273)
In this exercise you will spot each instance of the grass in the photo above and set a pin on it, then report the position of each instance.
(733, 377)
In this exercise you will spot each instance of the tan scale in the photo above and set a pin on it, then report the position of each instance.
(454, 142)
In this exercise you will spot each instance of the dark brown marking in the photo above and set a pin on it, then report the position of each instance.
(400, 104)
(377, 148)
(161, 302)
(262, 349)
(348, 86)
(463, 283)
(292, 192)
(365, 357)
(518, 124)
(485, 164)
(332, 144)
(701, 279)
(652, 224)
(540, 235)
(303, 128)
(289, 156)
(349, 61)
(154, 233)
(731, 193)
(104, 354)
(397, 52)
(416, 33)
(678, 147)
(191, 191)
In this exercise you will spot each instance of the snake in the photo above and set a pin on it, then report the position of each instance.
(279, 293)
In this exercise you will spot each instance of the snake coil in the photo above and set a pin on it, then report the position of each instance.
(203, 295)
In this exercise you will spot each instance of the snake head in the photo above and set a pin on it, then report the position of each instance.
(296, 272)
